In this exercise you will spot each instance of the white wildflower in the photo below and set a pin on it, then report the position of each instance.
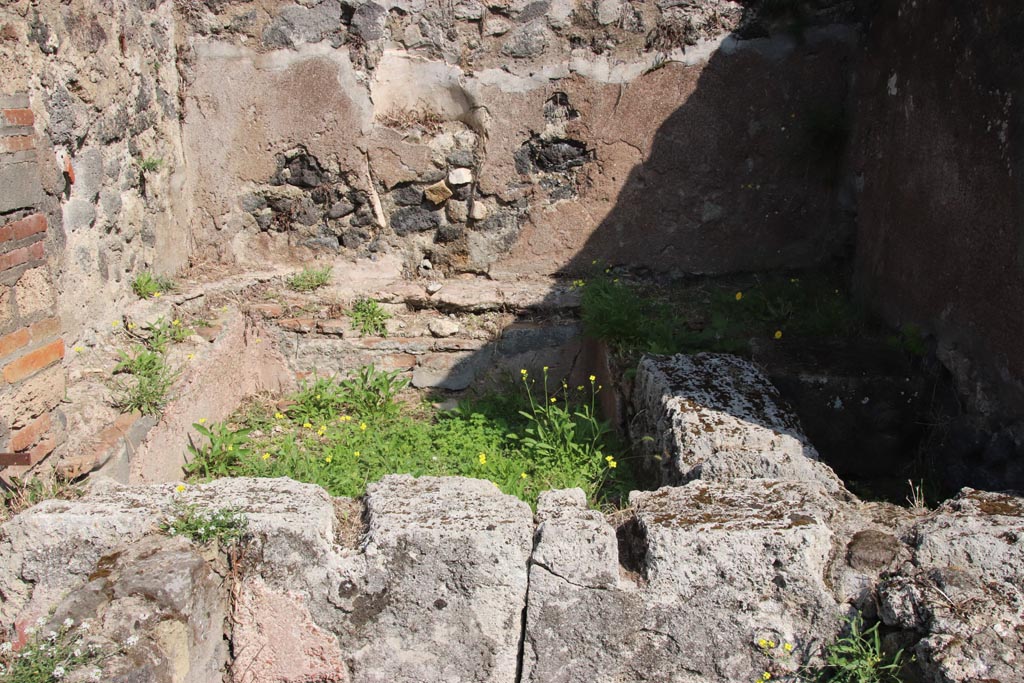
(69, 622)
(77, 653)
(84, 626)
(52, 635)
(95, 674)
(41, 621)
(59, 672)
(132, 640)
(31, 630)
(6, 647)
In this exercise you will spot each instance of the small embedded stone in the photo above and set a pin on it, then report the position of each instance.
(443, 327)
(458, 211)
(437, 193)
(460, 176)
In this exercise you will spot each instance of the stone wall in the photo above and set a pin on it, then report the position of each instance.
(514, 137)
(940, 140)
(31, 377)
(103, 82)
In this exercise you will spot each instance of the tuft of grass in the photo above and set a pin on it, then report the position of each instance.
(343, 434)
(309, 279)
(148, 383)
(369, 318)
(225, 525)
(161, 334)
(858, 657)
(146, 285)
(21, 494)
(149, 164)
(717, 315)
(65, 651)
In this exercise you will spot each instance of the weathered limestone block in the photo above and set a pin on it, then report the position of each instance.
(164, 604)
(445, 563)
(965, 590)
(717, 417)
(575, 543)
(721, 566)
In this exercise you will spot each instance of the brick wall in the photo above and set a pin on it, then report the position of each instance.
(31, 375)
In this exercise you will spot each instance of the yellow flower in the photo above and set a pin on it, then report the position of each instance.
(778, 334)
(545, 368)
(579, 388)
(318, 396)
(593, 378)
(483, 458)
(230, 447)
(278, 416)
(321, 430)
(766, 676)
(179, 488)
(553, 399)
(362, 426)
(788, 647)
(115, 323)
(523, 372)
(131, 326)
(739, 295)
(256, 340)
(327, 460)
(523, 475)
(202, 420)
(355, 453)
(771, 643)
(306, 425)
(762, 643)
(78, 349)
(176, 323)
(157, 295)
(266, 456)
(191, 356)
(612, 464)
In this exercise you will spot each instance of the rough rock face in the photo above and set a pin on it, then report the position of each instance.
(965, 589)
(678, 618)
(683, 590)
(717, 417)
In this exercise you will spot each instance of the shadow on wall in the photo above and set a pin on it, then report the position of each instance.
(745, 174)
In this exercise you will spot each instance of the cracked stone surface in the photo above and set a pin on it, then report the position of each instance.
(717, 417)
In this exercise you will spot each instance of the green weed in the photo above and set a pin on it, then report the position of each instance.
(719, 315)
(148, 385)
(21, 494)
(146, 285)
(54, 655)
(369, 318)
(343, 434)
(224, 525)
(149, 164)
(225, 450)
(160, 334)
(858, 657)
(309, 279)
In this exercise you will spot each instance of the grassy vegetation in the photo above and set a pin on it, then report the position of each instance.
(717, 315)
(146, 285)
(143, 379)
(345, 434)
(369, 318)
(308, 279)
(225, 526)
(21, 494)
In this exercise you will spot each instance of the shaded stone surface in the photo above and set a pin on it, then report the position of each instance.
(717, 417)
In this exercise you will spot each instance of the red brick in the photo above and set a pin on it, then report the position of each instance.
(15, 258)
(19, 117)
(336, 327)
(34, 361)
(44, 328)
(302, 325)
(268, 310)
(17, 143)
(22, 438)
(29, 458)
(26, 227)
(10, 343)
